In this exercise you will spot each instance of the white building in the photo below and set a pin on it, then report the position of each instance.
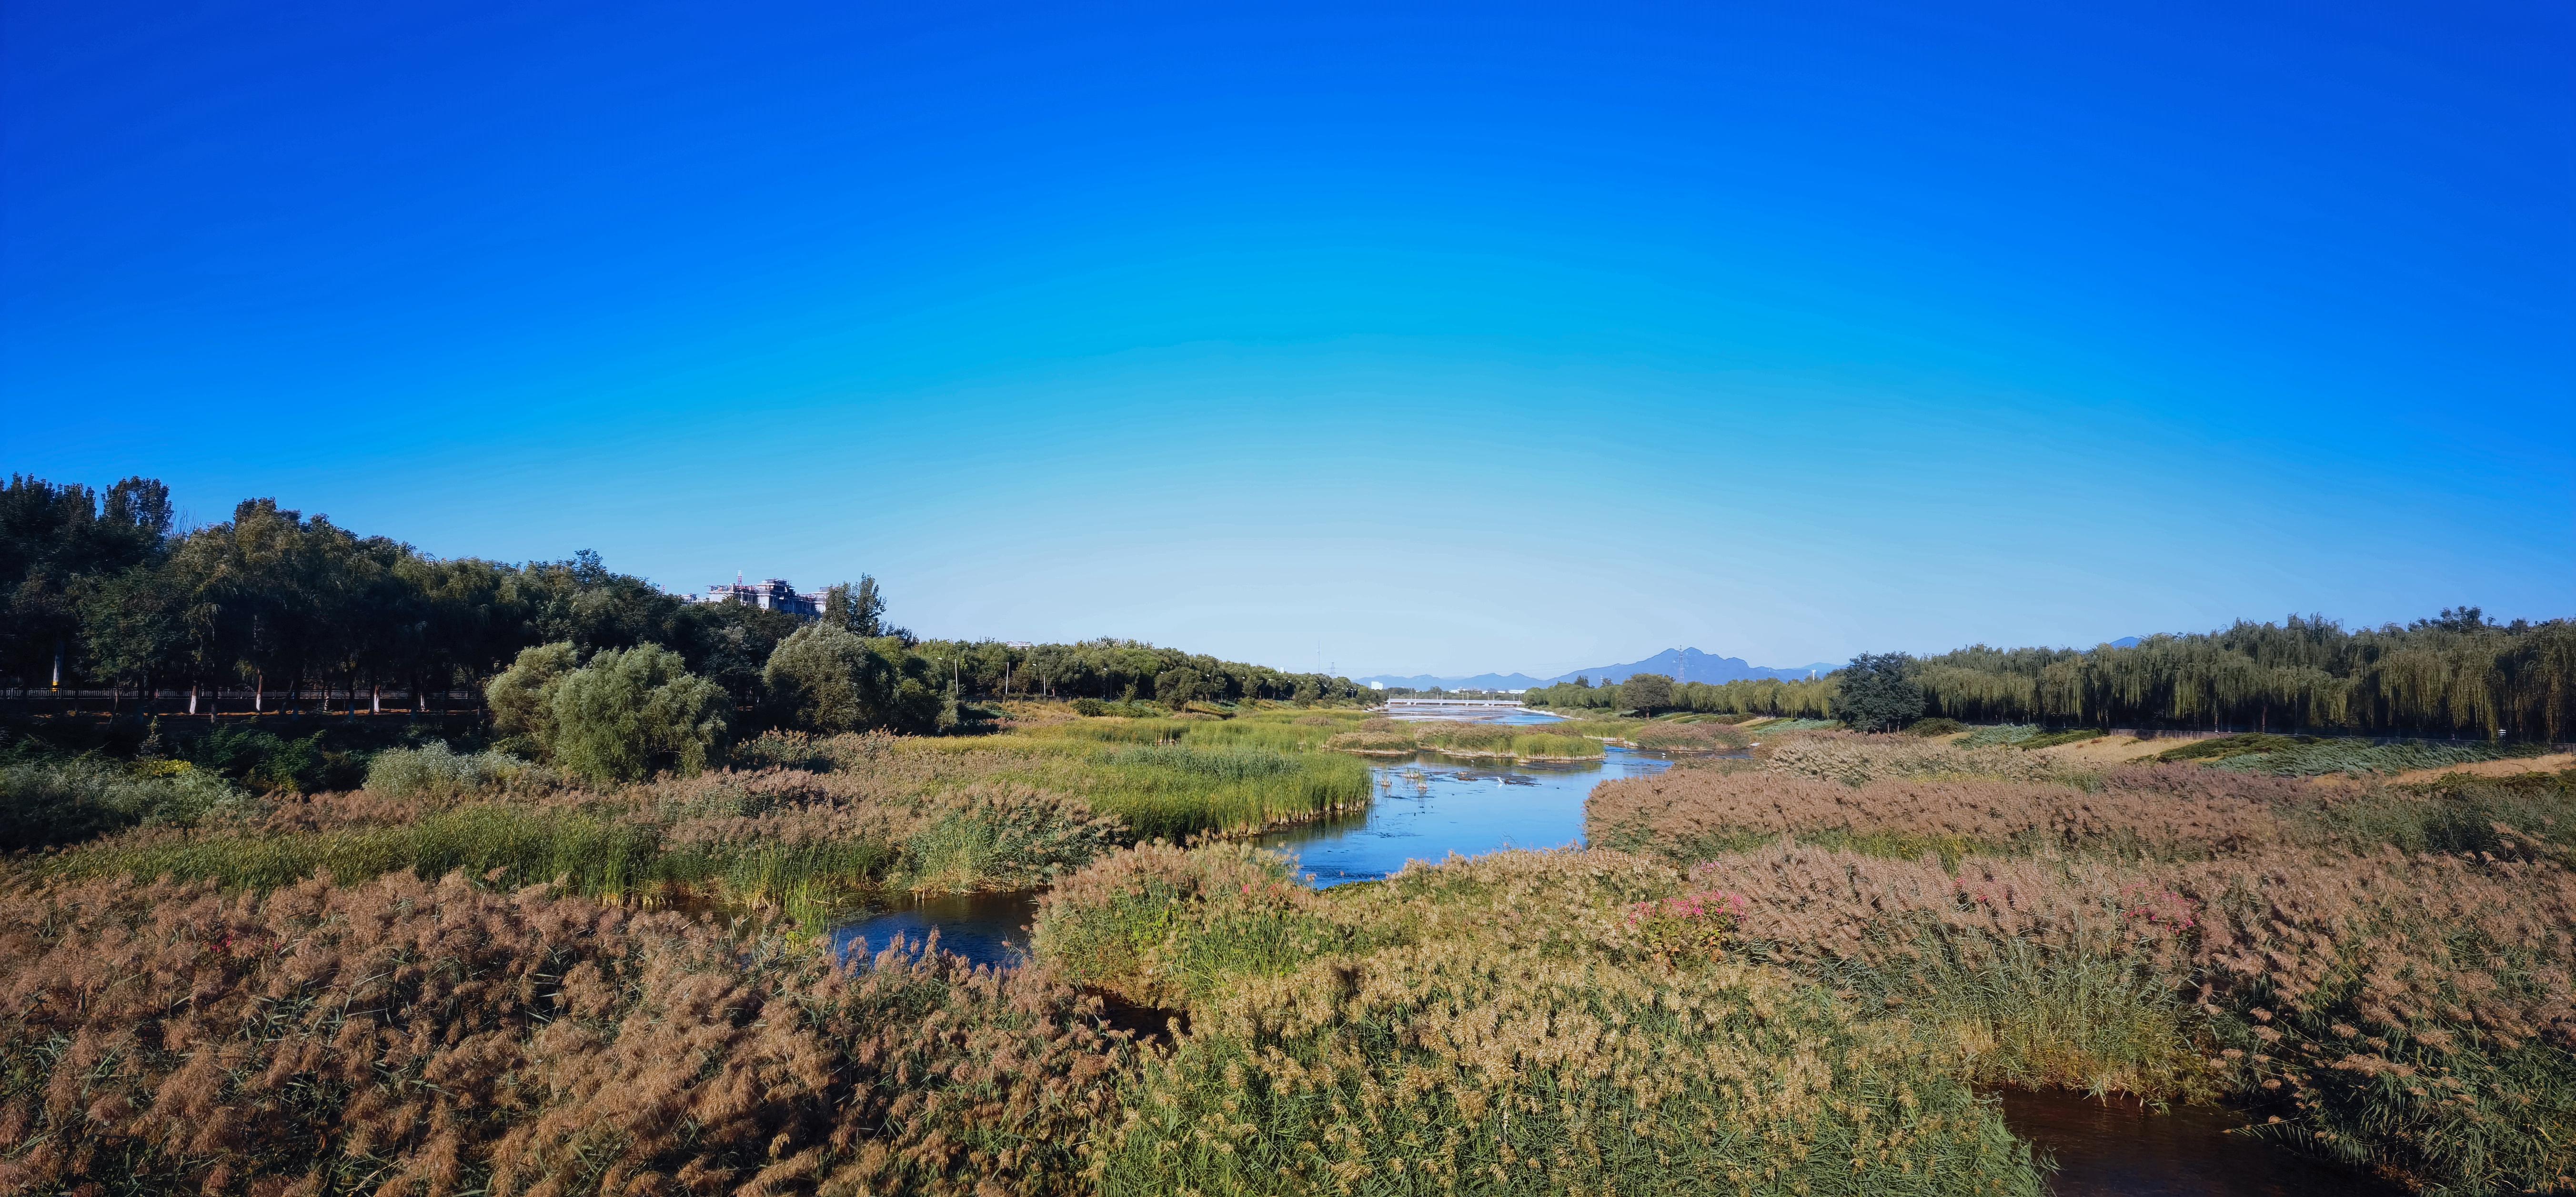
(768, 594)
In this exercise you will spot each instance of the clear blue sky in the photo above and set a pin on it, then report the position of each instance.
(1399, 338)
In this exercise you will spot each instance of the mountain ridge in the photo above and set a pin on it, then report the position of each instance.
(1682, 664)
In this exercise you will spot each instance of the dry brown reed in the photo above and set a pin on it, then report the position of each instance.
(1498, 1025)
(413, 1037)
(1854, 759)
(1451, 1066)
(2412, 1011)
(1664, 736)
(1689, 814)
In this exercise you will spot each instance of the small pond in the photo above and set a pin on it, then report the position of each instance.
(2116, 1148)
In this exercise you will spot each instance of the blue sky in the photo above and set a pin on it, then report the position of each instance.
(1408, 339)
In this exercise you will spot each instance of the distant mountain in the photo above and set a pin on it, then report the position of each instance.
(2127, 642)
(1687, 664)
(1482, 681)
(1692, 665)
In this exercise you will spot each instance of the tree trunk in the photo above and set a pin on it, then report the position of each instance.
(258, 693)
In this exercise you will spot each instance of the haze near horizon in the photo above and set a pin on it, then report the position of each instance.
(1418, 340)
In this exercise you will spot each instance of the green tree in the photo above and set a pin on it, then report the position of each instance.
(134, 625)
(1180, 686)
(1877, 692)
(826, 679)
(630, 713)
(816, 676)
(1647, 693)
(522, 697)
(858, 610)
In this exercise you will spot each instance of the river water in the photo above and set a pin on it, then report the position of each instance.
(1427, 806)
(1430, 806)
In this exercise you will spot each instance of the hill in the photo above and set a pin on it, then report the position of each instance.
(1685, 664)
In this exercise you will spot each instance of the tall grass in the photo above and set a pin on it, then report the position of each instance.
(1179, 790)
(434, 770)
(1501, 740)
(2383, 971)
(2404, 1012)
(1453, 1068)
(1487, 1026)
(811, 846)
(405, 1036)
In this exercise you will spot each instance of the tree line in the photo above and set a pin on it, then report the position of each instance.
(2456, 675)
(1800, 698)
(281, 612)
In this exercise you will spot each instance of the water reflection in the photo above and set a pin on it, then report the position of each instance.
(2115, 1148)
(985, 928)
(1429, 806)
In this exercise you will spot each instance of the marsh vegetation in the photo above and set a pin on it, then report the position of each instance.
(590, 937)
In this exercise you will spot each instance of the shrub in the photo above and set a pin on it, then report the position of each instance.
(268, 763)
(2001, 733)
(626, 714)
(436, 771)
(522, 697)
(1943, 726)
(44, 803)
(829, 680)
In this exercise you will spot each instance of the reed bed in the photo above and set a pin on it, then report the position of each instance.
(1499, 740)
(1375, 742)
(2407, 1012)
(409, 1036)
(1595, 728)
(1449, 1067)
(2384, 973)
(1854, 759)
(1488, 1025)
(1181, 790)
(2170, 810)
(809, 844)
(1673, 736)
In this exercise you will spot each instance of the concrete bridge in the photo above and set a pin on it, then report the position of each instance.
(1397, 706)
